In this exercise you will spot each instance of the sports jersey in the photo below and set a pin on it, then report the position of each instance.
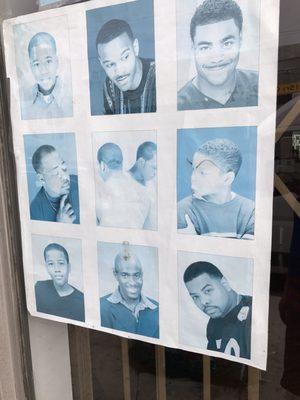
(232, 333)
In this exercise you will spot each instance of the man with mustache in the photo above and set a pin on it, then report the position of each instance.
(216, 34)
(229, 326)
(57, 200)
(127, 308)
(130, 80)
(49, 97)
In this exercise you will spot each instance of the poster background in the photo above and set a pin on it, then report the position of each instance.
(165, 122)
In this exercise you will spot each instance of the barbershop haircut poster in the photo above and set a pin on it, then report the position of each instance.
(144, 142)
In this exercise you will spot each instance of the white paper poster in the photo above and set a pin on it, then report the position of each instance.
(144, 141)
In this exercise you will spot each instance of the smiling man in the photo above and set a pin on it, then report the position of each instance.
(229, 325)
(57, 200)
(49, 98)
(216, 34)
(127, 309)
(130, 80)
(56, 296)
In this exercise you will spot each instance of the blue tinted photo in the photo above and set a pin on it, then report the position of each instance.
(218, 53)
(216, 179)
(58, 273)
(122, 58)
(43, 68)
(51, 164)
(128, 280)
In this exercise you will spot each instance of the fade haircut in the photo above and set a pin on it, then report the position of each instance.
(146, 150)
(224, 153)
(113, 29)
(58, 247)
(111, 155)
(39, 154)
(212, 11)
(39, 38)
(199, 268)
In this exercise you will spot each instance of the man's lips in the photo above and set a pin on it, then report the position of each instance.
(217, 67)
(210, 310)
(122, 78)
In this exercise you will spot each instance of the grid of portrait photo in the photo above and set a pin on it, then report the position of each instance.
(144, 136)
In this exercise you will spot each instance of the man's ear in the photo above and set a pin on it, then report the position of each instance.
(225, 284)
(102, 166)
(229, 178)
(136, 47)
(40, 180)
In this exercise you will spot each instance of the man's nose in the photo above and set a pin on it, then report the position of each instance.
(217, 54)
(43, 67)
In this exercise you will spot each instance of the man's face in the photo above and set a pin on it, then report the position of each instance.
(207, 178)
(55, 175)
(216, 50)
(44, 65)
(210, 294)
(130, 278)
(119, 60)
(57, 266)
(149, 170)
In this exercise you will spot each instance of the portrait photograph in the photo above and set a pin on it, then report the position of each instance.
(217, 53)
(58, 276)
(52, 177)
(129, 293)
(121, 55)
(215, 303)
(42, 53)
(125, 166)
(216, 181)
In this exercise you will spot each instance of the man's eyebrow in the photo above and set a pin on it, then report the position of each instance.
(203, 42)
(124, 51)
(228, 37)
(204, 287)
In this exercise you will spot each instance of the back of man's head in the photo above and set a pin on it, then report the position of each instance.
(113, 29)
(199, 268)
(39, 154)
(58, 247)
(111, 155)
(146, 150)
(40, 38)
(224, 153)
(212, 11)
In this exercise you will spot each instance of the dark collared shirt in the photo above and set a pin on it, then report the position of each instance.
(245, 94)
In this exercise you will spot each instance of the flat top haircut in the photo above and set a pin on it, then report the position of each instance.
(58, 247)
(224, 153)
(111, 155)
(199, 268)
(40, 38)
(39, 154)
(146, 150)
(113, 29)
(212, 11)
